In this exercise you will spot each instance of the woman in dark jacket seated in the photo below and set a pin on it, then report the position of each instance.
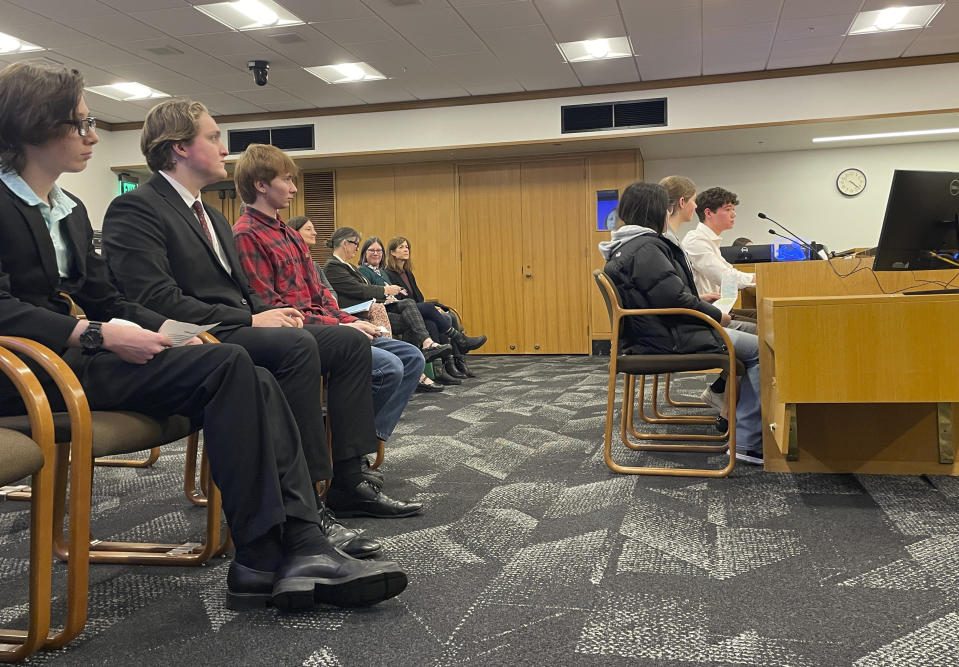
(399, 270)
(650, 271)
(353, 288)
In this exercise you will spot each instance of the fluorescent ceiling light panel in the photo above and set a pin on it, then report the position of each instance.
(249, 14)
(10, 44)
(893, 18)
(605, 48)
(888, 135)
(127, 91)
(346, 72)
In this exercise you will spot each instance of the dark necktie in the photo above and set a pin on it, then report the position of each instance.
(198, 209)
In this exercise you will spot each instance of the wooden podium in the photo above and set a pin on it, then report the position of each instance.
(855, 377)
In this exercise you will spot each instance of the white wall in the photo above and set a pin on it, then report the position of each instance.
(798, 188)
(929, 87)
(96, 185)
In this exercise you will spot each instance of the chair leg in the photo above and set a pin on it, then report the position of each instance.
(627, 426)
(130, 463)
(643, 470)
(681, 404)
(189, 471)
(660, 418)
(381, 452)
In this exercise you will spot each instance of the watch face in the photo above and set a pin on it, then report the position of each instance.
(851, 182)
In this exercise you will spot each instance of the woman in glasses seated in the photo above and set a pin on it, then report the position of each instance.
(352, 288)
(650, 271)
(399, 270)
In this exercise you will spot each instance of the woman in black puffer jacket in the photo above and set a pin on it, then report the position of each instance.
(650, 270)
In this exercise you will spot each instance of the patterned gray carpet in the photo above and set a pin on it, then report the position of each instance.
(532, 552)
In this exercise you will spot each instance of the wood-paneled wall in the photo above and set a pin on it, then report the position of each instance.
(421, 202)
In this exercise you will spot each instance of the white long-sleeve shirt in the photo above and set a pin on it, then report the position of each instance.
(701, 246)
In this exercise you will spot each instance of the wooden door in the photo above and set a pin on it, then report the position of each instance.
(555, 232)
(490, 203)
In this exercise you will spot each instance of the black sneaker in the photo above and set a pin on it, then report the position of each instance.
(751, 456)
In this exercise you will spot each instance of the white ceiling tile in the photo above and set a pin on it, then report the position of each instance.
(546, 77)
(429, 16)
(52, 35)
(500, 14)
(444, 43)
(142, 71)
(144, 5)
(433, 89)
(391, 57)
(568, 11)
(594, 28)
(733, 13)
(234, 81)
(67, 12)
(600, 72)
(926, 45)
(263, 95)
(523, 45)
(14, 16)
(180, 21)
(799, 9)
(102, 55)
(670, 66)
(316, 48)
(349, 31)
(115, 27)
(225, 43)
(872, 5)
(326, 10)
(328, 95)
(224, 103)
(875, 47)
(100, 105)
(493, 86)
(376, 92)
(947, 20)
(820, 26)
(804, 52)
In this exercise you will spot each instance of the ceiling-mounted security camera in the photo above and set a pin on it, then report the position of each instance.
(261, 71)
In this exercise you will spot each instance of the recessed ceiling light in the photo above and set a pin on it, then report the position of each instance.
(605, 48)
(888, 135)
(249, 14)
(10, 44)
(893, 18)
(127, 91)
(346, 72)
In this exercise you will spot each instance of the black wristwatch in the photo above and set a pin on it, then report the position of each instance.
(91, 340)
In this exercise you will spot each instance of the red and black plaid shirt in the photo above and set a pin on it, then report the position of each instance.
(278, 263)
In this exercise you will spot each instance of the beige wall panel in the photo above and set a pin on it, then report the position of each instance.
(364, 198)
(605, 171)
(490, 203)
(554, 222)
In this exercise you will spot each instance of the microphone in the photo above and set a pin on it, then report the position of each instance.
(775, 233)
(813, 251)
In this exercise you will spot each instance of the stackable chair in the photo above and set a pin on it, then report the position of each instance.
(633, 365)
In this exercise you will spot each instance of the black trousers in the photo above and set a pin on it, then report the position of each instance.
(298, 358)
(249, 431)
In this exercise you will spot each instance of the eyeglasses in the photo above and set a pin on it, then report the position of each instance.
(84, 125)
(375, 251)
(354, 242)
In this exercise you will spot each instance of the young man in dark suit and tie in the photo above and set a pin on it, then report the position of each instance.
(170, 253)
(46, 251)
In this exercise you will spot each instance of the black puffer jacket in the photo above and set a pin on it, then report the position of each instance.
(650, 271)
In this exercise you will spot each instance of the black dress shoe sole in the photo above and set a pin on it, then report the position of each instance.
(247, 601)
(302, 593)
(378, 514)
(361, 547)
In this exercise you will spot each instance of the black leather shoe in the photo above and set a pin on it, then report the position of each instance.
(436, 350)
(375, 476)
(442, 377)
(430, 388)
(348, 541)
(301, 582)
(365, 499)
(464, 342)
(461, 366)
(451, 370)
(247, 588)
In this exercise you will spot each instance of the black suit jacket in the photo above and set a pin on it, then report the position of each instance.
(30, 301)
(350, 285)
(161, 258)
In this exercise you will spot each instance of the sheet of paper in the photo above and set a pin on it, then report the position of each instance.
(728, 293)
(181, 332)
(360, 307)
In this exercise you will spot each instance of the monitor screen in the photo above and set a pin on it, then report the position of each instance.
(921, 222)
(606, 203)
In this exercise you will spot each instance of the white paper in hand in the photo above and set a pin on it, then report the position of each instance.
(728, 293)
(181, 332)
(360, 307)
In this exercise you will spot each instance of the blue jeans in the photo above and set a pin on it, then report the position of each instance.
(749, 421)
(397, 367)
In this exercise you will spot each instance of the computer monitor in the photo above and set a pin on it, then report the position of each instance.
(921, 223)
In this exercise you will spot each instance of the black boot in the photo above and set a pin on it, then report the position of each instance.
(460, 362)
(464, 342)
(451, 369)
(441, 377)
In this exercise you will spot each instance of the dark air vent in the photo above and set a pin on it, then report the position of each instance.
(644, 113)
(613, 115)
(295, 138)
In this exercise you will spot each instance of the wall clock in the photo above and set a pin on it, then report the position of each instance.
(851, 181)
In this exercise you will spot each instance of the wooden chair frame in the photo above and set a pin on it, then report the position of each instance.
(19, 644)
(617, 314)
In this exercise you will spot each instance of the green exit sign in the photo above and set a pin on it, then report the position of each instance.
(126, 186)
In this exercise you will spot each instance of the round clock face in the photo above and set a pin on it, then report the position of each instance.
(851, 182)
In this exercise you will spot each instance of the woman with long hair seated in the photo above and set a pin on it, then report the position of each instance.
(353, 288)
(399, 271)
(650, 271)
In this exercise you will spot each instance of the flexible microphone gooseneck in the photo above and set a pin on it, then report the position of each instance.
(813, 251)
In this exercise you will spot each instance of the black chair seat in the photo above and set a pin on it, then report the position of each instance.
(655, 364)
(114, 432)
(20, 456)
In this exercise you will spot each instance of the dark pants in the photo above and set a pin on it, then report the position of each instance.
(298, 358)
(249, 432)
